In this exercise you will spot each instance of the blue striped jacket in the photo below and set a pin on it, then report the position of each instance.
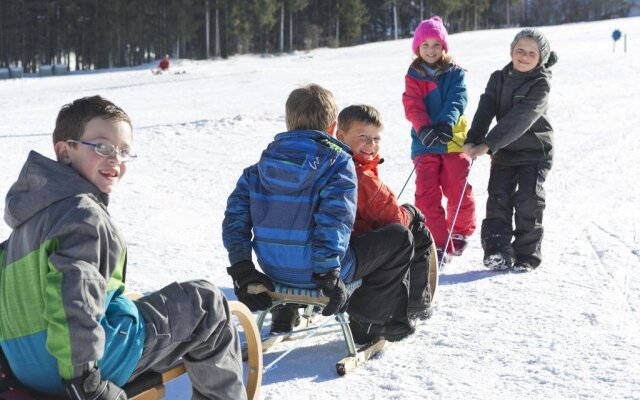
(300, 202)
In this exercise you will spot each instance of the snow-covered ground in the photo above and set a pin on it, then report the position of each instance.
(569, 330)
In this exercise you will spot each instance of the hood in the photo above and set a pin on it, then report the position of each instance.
(295, 160)
(42, 182)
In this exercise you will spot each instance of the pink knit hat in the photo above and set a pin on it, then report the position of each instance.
(432, 28)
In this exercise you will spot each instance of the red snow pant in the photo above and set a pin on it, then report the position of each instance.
(438, 174)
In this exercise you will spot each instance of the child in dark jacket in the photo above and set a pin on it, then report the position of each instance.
(360, 127)
(296, 207)
(66, 323)
(434, 100)
(521, 148)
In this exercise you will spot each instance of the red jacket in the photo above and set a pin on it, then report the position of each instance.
(377, 204)
(164, 64)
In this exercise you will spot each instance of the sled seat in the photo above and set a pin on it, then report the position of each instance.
(313, 298)
(151, 385)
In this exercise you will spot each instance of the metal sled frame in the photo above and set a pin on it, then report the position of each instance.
(151, 385)
(312, 298)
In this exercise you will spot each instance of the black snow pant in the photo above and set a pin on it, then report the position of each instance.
(516, 194)
(419, 290)
(383, 258)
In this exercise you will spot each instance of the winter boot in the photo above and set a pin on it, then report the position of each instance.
(365, 332)
(444, 258)
(497, 262)
(460, 243)
(519, 268)
(284, 318)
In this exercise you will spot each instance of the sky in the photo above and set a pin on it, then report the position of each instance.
(568, 330)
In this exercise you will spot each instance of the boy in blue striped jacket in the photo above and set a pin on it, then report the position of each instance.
(295, 209)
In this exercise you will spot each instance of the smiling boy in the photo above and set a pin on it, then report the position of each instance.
(521, 149)
(66, 324)
(360, 127)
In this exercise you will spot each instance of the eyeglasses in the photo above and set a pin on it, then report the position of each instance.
(107, 150)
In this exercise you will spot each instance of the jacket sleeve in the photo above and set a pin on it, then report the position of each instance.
(521, 116)
(487, 110)
(335, 216)
(85, 255)
(412, 99)
(377, 204)
(236, 226)
(456, 98)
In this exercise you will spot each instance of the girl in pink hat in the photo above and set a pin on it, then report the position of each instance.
(434, 100)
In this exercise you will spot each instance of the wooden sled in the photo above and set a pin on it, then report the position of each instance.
(151, 385)
(313, 298)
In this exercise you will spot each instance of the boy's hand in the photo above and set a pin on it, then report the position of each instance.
(332, 287)
(244, 274)
(475, 151)
(92, 386)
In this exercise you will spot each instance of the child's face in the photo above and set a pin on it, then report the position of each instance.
(526, 55)
(363, 138)
(431, 51)
(103, 172)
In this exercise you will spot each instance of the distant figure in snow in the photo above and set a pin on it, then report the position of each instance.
(67, 325)
(295, 208)
(360, 127)
(521, 148)
(434, 100)
(164, 64)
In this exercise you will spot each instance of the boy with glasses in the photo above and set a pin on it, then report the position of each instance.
(66, 324)
(296, 207)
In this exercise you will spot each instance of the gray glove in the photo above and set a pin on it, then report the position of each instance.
(91, 386)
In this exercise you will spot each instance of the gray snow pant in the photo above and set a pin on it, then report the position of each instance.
(191, 320)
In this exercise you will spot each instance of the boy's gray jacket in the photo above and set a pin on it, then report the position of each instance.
(61, 281)
(519, 102)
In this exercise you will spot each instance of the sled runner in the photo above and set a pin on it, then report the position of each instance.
(151, 385)
(313, 298)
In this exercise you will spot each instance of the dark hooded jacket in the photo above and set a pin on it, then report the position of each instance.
(519, 102)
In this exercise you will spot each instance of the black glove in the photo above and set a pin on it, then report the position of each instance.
(332, 287)
(244, 273)
(444, 132)
(428, 136)
(92, 386)
(416, 215)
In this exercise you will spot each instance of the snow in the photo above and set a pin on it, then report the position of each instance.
(567, 330)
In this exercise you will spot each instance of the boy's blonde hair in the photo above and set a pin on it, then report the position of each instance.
(311, 107)
(73, 117)
(359, 113)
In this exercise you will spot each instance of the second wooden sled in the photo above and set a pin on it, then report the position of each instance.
(312, 298)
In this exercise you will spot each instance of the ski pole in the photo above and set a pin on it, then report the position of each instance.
(410, 175)
(455, 217)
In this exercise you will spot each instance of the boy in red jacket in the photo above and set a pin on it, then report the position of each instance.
(360, 128)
